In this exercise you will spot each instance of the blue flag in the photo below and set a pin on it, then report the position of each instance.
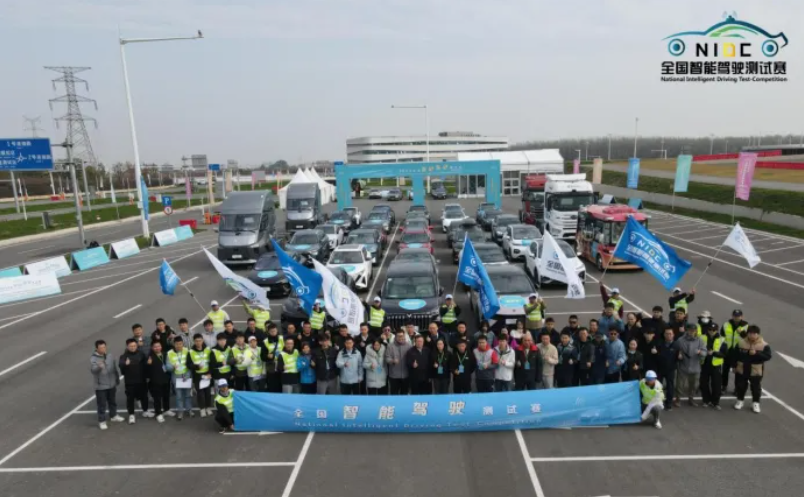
(472, 273)
(633, 172)
(639, 246)
(168, 279)
(144, 197)
(683, 169)
(305, 282)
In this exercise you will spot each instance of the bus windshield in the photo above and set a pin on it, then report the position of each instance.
(571, 202)
(614, 230)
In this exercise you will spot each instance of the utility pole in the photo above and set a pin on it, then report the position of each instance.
(34, 129)
(711, 144)
(636, 134)
(609, 154)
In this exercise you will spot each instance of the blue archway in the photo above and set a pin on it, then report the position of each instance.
(417, 171)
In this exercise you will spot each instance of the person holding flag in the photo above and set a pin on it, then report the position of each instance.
(472, 273)
(305, 282)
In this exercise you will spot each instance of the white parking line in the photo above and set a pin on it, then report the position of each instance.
(298, 465)
(534, 478)
(23, 302)
(727, 298)
(778, 249)
(791, 262)
(71, 282)
(699, 230)
(15, 317)
(721, 225)
(127, 311)
(189, 281)
(69, 469)
(722, 235)
(38, 249)
(379, 269)
(679, 457)
(26, 361)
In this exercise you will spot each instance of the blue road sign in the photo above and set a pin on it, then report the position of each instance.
(214, 167)
(167, 201)
(25, 154)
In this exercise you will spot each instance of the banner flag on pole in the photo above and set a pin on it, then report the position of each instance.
(576, 166)
(341, 302)
(553, 254)
(144, 198)
(306, 283)
(597, 171)
(639, 246)
(168, 279)
(739, 241)
(244, 286)
(746, 163)
(633, 172)
(188, 189)
(472, 273)
(683, 169)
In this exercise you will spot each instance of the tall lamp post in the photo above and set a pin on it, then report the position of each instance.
(636, 134)
(426, 131)
(137, 170)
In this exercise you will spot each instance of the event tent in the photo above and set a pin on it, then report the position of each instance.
(299, 177)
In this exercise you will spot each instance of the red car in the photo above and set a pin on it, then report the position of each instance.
(416, 239)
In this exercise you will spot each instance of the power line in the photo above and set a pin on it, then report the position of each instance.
(77, 136)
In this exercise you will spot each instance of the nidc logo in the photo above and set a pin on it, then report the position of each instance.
(732, 51)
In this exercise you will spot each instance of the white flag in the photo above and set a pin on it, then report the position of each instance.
(245, 287)
(555, 261)
(738, 240)
(341, 303)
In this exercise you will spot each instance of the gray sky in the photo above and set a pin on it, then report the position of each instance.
(293, 79)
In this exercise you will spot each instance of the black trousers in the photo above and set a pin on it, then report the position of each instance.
(308, 388)
(350, 388)
(711, 378)
(224, 418)
(741, 386)
(669, 379)
(399, 386)
(584, 377)
(613, 377)
(526, 385)
(134, 393)
(203, 396)
(441, 385)
(161, 396)
(462, 384)
(728, 363)
(378, 391)
(241, 383)
(273, 382)
(362, 387)
(484, 386)
(421, 387)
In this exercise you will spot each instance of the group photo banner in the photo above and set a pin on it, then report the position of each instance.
(609, 404)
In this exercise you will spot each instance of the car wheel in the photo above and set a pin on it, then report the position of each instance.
(599, 263)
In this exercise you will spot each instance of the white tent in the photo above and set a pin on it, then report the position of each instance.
(326, 197)
(299, 177)
(327, 189)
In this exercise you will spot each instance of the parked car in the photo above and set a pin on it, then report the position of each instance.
(517, 239)
(386, 208)
(334, 232)
(450, 207)
(546, 270)
(451, 217)
(463, 226)
(482, 208)
(416, 239)
(394, 194)
(378, 193)
(489, 253)
(416, 255)
(474, 233)
(292, 311)
(357, 216)
(513, 286)
(313, 242)
(356, 261)
(415, 224)
(374, 241)
(411, 294)
(415, 210)
(378, 219)
(343, 219)
(488, 218)
(438, 192)
(500, 224)
(267, 273)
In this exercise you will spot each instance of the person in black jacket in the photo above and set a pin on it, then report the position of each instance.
(230, 333)
(418, 360)
(163, 334)
(222, 360)
(159, 381)
(269, 352)
(462, 365)
(440, 372)
(432, 337)
(586, 357)
(572, 328)
(648, 346)
(599, 364)
(656, 322)
(634, 363)
(680, 300)
(528, 365)
(711, 375)
(668, 359)
(459, 335)
(567, 362)
(326, 371)
(132, 367)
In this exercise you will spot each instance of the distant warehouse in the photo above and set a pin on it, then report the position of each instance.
(443, 146)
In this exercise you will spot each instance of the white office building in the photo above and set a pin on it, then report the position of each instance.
(443, 146)
(515, 166)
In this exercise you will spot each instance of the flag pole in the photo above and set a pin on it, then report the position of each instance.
(712, 260)
(733, 205)
(188, 290)
(606, 269)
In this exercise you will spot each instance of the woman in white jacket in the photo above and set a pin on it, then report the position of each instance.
(504, 374)
(376, 372)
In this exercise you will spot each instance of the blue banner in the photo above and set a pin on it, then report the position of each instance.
(305, 282)
(633, 172)
(683, 169)
(472, 273)
(168, 279)
(145, 205)
(639, 246)
(89, 258)
(609, 404)
(10, 272)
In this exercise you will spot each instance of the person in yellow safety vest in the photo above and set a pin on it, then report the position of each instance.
(712, 366)
(222, 360)
(534, 313)
(178, 365)
(318, 318)
(680, 300)
(704, 322)
(288, 366)
(224, 403)
(200, 357)
(256, 367)
(732, 331)
(376, 317)
(449, 312)
(269, 353)
(652, 395)
(241, 357)
(259, 312)
(613, 298)
(218, 316)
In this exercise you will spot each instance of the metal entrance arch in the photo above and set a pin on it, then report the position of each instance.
(418, 171)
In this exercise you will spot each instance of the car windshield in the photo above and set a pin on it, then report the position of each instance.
(453, 207)
(567, 249)
(346, 257)
(511, 283)
(535, 197)
(395, 192)
(330, 230)
(413, 256)
(415, 238)
(454, 214)
(416, 215)
(485, 206)
(300, 204)
(361, 238)
(529, 233)
(268, 262)
(490, 215)
(417, 224)
(490, 255)
(340, 216)
(240, 222)
(571, 202)
(505, 221)
(475, 234)
(350, 210)
(417, 208)
(409, 287)
(376, 216)
(304, 239)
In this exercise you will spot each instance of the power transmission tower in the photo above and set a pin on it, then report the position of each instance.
(33, 127)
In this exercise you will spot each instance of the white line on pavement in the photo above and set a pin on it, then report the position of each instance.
(26, 361)
(297, 466)
(23, 302)
(534, 478)
(720, 225)
(56, 469)
(784, 404)
(727, 298)
(778, 249)
(680, 457)
(36, 249)
(71, 282)
(127, 311)
(184, 283)
(254, 433)
(15, 317)
(722, 235)
(379, 269)
(689, 232)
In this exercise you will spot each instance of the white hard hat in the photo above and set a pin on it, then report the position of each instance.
(615, 290)
(213, 303)
(650, 375)
(377, 299)
(223, 383)
(448, 297)
(533, 296)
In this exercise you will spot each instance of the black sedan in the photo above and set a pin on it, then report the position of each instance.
(268, 274)
(345, 220)
(488, 218)
(313, 242)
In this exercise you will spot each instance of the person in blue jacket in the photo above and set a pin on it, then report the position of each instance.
(615, 356)
(306, 370)
(599, 364)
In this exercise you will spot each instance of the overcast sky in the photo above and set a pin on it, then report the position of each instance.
(293, 79)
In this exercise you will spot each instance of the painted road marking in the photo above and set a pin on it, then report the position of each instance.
(534, 478)
(791, 262)
(56, 469)
(26, 361)
(727, 298)
(778, 249)
(127, 311)
(298, 464)
(38, 249)
(189, 281)
(679, 457)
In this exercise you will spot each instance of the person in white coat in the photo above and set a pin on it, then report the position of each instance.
(504, 374)
(376, 372)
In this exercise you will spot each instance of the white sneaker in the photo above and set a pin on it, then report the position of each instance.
(102, 425)
(169, 413)
(148, 414)
(755, 407)
(738, 405)
(658, 425)
(132, 419)
(160, 418)
(203, 413)
(117, 419)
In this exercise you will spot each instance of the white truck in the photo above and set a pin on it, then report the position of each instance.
(564, 195)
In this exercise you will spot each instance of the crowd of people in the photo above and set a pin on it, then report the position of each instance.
(672, 359)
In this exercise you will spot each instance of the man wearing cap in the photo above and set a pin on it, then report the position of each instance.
(218, 316)
(259, 312)
(241, 356)
(449, 312)
(613, 299)
(376, 316)
(733, 330)
(610, 320)
(680, 300)
(752, 354)
(224, 403)
(652, 397)
(704, 321)
(691, 352)
(712, 366)
(534, 313)
(318, 318)
(256, 366)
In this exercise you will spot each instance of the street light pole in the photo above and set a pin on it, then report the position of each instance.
(426, 131)
(711, 144)
(636, 133)
(137, 169)
(609, 154)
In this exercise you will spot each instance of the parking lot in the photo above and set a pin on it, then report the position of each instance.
(51, 444)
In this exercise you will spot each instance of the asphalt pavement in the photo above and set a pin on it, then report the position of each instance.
(52, 446)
